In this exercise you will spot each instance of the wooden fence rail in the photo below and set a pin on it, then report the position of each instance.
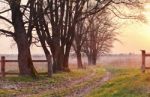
(4, 61)
(144, 55)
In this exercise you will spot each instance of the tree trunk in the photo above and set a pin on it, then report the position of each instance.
(91, 59)
(50, 67)
(61, 59)
(66, 62)
(58, 61)
(94, 57)
(46, 51)
(79, 59)
(67, 51)
(48, 56)
(26, 67)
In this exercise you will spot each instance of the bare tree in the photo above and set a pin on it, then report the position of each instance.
(99, 38)
(80, 38)
(58, 19)
(20, 35)
(62, 16)
(94, 36)
(42, 29)
(55, 22)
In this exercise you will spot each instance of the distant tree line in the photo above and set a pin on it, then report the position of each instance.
(59, 25)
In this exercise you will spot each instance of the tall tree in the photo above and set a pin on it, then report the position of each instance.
(62, 16)
(80, 38)
(42, 29)
(99, 38)
(20, 36)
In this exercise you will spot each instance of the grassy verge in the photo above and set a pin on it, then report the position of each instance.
(99, 72)
(12, 86)
(125, 82)
(25, 85)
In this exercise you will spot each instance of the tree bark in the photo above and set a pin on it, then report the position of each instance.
(66, 62)
(89, 59)
(26, 67)
(58, 57)
(79, 60)
(50, 66)
(92, 60)
(42, 41)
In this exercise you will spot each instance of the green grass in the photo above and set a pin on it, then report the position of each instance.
(125, 82)
(33, 86)
(68, 90)
(7, 93)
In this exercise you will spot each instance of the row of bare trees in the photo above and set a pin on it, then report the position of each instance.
(94, 36)
(57, 24)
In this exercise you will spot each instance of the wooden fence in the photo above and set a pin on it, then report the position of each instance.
(4, 61)
(144, 55)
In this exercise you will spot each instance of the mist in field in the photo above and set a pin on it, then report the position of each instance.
(121, 60)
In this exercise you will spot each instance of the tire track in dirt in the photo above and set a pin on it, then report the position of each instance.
(80, 92)
(68, 84)
(85, 90)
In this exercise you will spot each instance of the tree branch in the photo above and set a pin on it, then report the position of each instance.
(5, 11)
(7, 33)
(3, 18)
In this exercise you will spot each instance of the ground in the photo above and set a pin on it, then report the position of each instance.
(94, 81)
(60, 85)
(125, 82)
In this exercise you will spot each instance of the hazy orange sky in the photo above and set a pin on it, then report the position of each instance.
(134, 36)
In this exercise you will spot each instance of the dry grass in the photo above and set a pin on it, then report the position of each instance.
(128, 66)
(132, 61)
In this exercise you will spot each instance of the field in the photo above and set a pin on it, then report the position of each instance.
(62, 84)
(127, 79)
(124, 83)
(114, 76)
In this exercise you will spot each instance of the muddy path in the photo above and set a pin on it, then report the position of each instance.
(60, 87)
(95, 84)
(87, 84)
(71, 88)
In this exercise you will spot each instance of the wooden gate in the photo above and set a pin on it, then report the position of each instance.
(144, 55)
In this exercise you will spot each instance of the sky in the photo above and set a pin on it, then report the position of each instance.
(133, 37)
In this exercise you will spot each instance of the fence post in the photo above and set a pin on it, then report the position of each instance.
(143, 61)
(3, 66)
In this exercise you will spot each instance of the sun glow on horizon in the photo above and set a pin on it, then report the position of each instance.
(134, 36)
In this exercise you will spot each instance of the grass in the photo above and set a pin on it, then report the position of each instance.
(68, 90)
(7, 93)
(125, 82)
(27, 85)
